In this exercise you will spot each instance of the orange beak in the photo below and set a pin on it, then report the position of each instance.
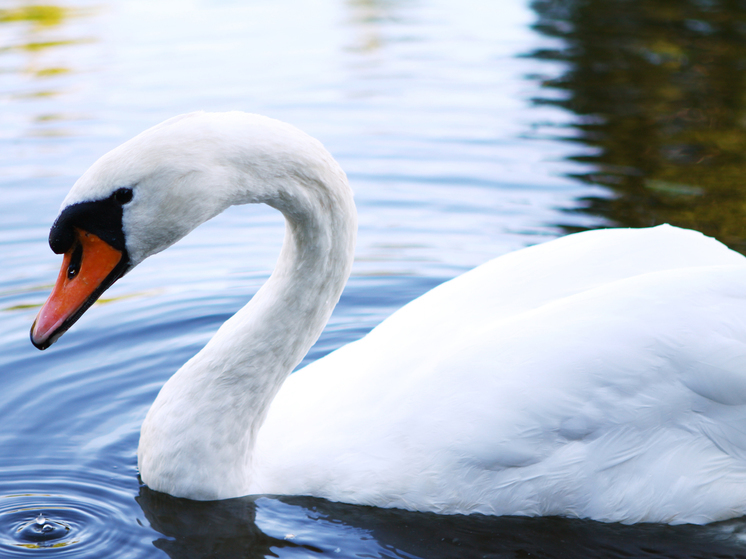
(89, 267)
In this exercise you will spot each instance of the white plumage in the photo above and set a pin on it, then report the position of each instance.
(600, 375)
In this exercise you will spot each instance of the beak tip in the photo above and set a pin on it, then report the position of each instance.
(40, 342)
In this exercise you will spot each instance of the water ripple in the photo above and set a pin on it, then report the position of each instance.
(80, 514)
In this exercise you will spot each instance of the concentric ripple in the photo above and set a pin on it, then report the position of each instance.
(40, 531)
(84, 517)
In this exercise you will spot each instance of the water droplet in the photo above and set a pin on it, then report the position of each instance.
(41, 529)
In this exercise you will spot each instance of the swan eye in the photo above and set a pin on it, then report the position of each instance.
(75, 260)
(123, 195)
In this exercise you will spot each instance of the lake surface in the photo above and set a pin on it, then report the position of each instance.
(468, 129)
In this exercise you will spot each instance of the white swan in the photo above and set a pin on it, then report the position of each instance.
(601, 375)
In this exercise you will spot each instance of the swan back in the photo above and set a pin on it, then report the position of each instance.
(557, 380)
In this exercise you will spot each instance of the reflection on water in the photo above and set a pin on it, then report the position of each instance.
(369, 19)
(425, 104)
(657, 87)
(43, 15)
(365, 15)
(195, 529)
(33, 38)
(254, 527)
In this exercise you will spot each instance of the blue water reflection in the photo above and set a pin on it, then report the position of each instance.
(426, 104)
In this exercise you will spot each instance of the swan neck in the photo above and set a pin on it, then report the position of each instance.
(198, 437)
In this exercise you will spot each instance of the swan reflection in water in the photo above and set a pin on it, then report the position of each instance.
(267, 526)
(196, 529)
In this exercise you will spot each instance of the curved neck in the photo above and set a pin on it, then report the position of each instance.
(199, 434)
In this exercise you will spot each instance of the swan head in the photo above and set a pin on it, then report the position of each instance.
(151, 191)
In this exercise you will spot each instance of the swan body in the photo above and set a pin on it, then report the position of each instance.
(601, 375)
(594, 376)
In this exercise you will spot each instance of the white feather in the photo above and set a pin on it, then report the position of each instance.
(601, 375)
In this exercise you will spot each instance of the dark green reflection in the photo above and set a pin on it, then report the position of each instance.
(659, 89)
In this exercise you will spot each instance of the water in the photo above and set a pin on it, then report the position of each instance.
(468, 129)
